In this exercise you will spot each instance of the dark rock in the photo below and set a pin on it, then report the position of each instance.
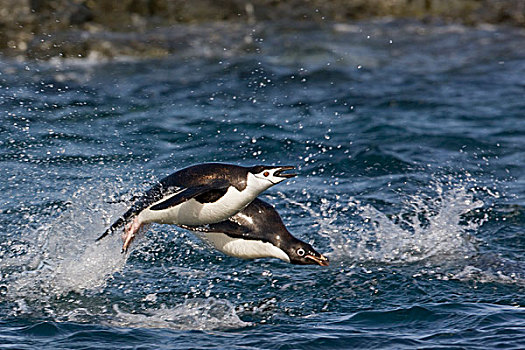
(81, 14)
(76, 28)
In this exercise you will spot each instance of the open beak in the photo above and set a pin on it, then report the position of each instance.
(286, 175)
(321, 260)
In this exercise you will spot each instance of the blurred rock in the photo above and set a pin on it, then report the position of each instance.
(78, 28)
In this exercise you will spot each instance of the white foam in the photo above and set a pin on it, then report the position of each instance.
(194, 314)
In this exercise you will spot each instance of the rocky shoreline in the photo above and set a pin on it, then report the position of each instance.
(43, 29)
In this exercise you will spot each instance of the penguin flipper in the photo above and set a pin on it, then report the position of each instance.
(192, 192)
(229, 227)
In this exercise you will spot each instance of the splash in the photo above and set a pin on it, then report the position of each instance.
(61, 256)
(195, 314)
(425, 227)
(58, 271)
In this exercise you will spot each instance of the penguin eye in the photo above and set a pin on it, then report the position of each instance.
(266, 173)
(300, 251)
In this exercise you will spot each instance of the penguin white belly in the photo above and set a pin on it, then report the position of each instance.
(242, 248)
(192, 212)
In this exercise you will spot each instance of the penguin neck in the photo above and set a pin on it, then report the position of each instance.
(283, 239)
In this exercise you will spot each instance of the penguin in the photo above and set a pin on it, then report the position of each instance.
(258, 231)
(198, 195)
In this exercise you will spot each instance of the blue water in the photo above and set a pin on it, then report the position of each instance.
(410, 144)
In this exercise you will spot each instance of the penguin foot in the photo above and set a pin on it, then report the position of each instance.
(130, 231)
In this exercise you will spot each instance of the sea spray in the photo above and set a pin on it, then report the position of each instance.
(61, 255)
(426, 226)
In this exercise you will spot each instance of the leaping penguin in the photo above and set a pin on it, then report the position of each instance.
(258, 232)
(198, 195)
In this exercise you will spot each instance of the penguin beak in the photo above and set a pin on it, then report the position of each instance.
(321, 260)
(279, 172)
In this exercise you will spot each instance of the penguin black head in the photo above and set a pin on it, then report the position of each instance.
(302, 253)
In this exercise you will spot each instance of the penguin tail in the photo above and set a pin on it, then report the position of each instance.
(123, 220)
(116, 225)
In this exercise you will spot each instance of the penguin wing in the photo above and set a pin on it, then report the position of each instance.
(228, 227)
(213, 190)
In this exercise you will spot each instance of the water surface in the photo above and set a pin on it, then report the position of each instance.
(410, 142)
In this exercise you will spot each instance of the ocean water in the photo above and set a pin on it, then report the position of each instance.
(409, 140)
